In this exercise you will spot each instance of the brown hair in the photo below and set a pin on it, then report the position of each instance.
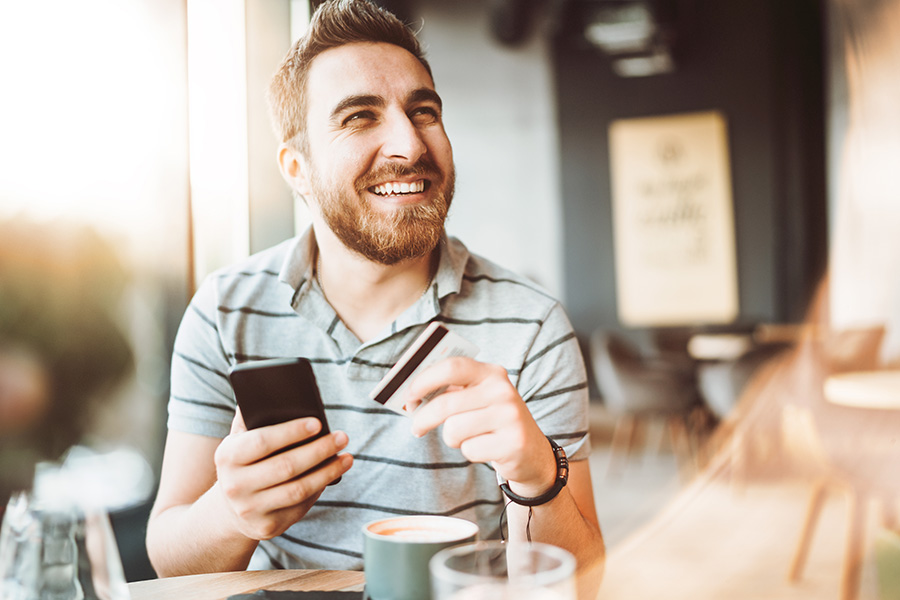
(334, 23)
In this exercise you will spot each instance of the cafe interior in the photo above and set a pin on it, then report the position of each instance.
(708, 187)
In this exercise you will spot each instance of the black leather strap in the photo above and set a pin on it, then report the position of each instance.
(562, 477)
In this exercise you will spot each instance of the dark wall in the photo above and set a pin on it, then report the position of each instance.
(760, 63)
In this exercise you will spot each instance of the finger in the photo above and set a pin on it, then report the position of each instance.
(484, 448)
(411, 406)
(272, 511)
(457, 370)
(285, 466)
(257, 444)
(473, 423)
(237, 424)
(301, 489)
(493, 387)
(434, 412)
(334, 467)
(310, 484)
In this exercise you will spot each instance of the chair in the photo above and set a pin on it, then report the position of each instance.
(636, 388)
(846, 449)
(854, 452)
(722, 382)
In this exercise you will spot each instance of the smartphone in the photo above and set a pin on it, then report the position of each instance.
(276, 390)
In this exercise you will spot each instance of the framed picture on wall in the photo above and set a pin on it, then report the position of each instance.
(673, 220)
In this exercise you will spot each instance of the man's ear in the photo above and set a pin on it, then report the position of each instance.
(294, 169)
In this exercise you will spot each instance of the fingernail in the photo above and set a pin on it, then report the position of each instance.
(340, 439)
(346, 461)
(312, 426)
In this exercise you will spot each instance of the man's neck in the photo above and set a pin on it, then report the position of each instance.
(366, 295)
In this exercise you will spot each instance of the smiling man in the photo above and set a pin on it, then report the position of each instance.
(364, 144)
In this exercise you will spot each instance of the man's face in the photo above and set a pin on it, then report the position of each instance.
(379, 167)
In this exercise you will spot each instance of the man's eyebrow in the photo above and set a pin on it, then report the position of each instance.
(425, 95)
(357, 101)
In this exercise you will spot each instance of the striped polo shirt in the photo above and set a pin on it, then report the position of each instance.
(270, 306)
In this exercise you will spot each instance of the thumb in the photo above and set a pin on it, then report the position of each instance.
(237, 424)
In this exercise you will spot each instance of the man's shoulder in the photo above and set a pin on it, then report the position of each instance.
(270, 260)
(486, 277)
(260, 269)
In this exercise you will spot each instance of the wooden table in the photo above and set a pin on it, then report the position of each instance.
(216, 586)
(865, 389)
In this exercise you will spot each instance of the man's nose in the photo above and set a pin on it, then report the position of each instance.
(402, 140)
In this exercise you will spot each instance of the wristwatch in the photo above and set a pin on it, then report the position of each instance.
(562, 477)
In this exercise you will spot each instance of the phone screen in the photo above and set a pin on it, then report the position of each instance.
(273, 391)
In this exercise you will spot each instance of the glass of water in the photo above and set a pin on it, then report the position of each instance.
(495, 570)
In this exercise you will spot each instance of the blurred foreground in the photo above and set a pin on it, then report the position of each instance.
(795, 494)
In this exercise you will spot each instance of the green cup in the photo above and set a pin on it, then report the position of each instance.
(397, 550)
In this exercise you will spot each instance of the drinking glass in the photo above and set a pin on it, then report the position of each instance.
(60, 553)
(56, 542)
(495, 570)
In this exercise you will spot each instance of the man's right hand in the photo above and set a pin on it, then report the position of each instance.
(265, 492)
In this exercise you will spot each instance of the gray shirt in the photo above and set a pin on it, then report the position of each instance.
(270, 306)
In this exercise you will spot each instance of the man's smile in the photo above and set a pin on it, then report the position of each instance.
(398, 188)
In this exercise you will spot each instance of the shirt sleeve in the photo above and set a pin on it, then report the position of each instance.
(553, 383)
(201, 400)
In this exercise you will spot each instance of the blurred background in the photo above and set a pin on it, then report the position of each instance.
(707, 186)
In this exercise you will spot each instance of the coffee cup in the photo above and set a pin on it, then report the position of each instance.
(396, 552)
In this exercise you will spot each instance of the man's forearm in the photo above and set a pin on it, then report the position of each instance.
(197, 538)
(560, 523)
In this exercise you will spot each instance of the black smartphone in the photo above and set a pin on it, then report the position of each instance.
(276, 390)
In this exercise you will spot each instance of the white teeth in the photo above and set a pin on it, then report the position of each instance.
(386, 189)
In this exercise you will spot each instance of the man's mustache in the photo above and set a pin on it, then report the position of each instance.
(424, 167)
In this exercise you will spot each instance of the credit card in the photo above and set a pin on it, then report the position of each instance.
(436, 343)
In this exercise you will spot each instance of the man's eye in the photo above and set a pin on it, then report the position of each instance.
(359, 118)
(425, 114)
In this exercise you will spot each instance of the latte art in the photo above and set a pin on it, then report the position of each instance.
(422, 535)
(423, 529)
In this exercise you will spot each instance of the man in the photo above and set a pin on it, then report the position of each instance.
(364, 144)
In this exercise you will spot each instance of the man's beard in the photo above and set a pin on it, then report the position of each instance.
(387, 237)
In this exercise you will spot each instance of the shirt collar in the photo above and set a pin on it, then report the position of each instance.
(297, 268)
(308, 300)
